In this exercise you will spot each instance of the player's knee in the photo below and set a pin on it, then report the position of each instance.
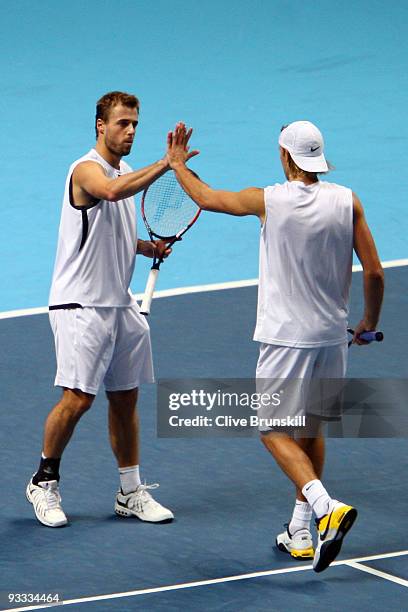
(120, 401)
(272, 438)
(77, 404)
(264, 438)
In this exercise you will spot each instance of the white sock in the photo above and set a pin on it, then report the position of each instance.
(129, 478)
(302, 514)
(318, 497)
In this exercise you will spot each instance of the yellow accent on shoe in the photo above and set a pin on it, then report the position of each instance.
(335, 517)
(299, 545)
(331, 530)
(307, 553)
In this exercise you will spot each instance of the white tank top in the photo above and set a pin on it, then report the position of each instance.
(96, 247)
(305, 265)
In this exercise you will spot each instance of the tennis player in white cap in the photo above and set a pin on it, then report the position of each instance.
(309, 229)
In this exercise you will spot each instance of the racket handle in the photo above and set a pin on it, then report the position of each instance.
(369, 336)
(148, 294)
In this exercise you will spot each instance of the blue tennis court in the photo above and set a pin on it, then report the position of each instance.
(229, 498)
(235, 71)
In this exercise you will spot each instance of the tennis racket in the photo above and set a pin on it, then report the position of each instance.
(168, 212)
(368, 336)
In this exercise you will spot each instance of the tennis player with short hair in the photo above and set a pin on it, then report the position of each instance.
(309, 229)
(100, 335)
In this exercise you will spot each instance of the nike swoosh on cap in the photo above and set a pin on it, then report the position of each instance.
(314, 149)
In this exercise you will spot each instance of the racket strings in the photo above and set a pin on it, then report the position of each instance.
(167, 208)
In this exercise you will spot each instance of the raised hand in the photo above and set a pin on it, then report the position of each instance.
(178, 150)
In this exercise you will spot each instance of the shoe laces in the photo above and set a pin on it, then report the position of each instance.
(52, 497)
(142, 496)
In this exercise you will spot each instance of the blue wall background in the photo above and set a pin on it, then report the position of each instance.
(235, 71)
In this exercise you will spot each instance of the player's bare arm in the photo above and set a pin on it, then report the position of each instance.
(90, 182)
(246, 202)
(373, 274)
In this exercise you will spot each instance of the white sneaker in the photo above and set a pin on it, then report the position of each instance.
(141, 504)
(46, 500)
(299, 545)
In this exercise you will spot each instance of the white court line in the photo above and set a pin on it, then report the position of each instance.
(189, 585)
(378, 573)
(11, 314)
(394, 263)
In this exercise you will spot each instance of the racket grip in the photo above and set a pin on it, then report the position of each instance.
(370, 336)
(149, 290)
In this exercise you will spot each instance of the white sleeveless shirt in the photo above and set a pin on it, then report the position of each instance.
(305, 265)
(96, 247)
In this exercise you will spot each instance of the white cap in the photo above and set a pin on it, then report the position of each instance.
(305, 144)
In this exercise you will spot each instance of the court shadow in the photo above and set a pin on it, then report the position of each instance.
(120, 520)
(22, 524)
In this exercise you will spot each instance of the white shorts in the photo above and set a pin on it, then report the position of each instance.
(303, 378)
(95, 345)
(288, 362)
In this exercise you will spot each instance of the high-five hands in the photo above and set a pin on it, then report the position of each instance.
(178, 150)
